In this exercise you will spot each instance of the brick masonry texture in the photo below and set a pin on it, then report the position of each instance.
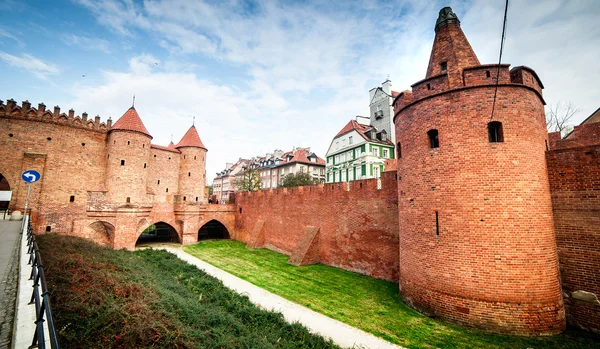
(358, 229)
(574, 172)
(99, 183)
(477, 244)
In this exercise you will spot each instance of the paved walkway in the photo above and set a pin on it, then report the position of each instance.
(341, 333)
(9, 249)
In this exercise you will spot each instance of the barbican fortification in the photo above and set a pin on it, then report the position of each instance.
(488, 222)
(102, 181)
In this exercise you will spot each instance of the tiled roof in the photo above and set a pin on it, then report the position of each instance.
(361, 129)
(395, 94)
(130, 121)
(353, 125)
(191, 139)
(300, 155)
(165, 148)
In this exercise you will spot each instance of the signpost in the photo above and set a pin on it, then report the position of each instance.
(29, 176)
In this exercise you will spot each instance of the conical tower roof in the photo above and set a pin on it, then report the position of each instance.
(130, 121)
(451, 51)
(191, 139)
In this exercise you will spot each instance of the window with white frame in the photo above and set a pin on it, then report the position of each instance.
(358, 172)
(343, 176)
(375, 152)
(357, 151)
(350, 140)
(350, 153)
(384, 153)
(337, 159)
(343, 157)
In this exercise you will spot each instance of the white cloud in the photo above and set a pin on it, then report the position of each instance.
(308, 66)
(33, 65)
(87, 43)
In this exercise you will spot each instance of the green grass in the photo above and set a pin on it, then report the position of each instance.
(102, 298)
(370, 304)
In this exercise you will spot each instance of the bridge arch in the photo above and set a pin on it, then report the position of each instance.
(100, 232)
(158, 232)
(213, 229)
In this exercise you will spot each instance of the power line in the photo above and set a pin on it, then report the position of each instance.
(500, 58)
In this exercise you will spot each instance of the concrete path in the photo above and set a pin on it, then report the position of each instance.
(9, 249)
(341, 333)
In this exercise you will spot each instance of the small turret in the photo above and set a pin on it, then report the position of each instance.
(451, 51)
(128, 147)
(192, 168)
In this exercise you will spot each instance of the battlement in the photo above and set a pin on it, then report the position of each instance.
(11, 110)
(472, 77)
(366, 187)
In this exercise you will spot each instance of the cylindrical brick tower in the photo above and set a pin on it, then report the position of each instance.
(192, 166)
(128, 158)
(477, 243)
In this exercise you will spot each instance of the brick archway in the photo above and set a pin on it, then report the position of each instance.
(100, 232)
(158, 232)
(6, 187)
(213, 229)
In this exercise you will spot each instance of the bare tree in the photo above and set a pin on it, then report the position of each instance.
(559, 115)
(248, 180)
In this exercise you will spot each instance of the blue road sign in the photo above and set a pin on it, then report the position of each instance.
(31, 176)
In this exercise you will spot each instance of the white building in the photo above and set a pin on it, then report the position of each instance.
(361, 148)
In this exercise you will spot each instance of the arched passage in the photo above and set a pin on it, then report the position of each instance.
(100, 232)
(158, 232)
(213, 230)
(5, 195)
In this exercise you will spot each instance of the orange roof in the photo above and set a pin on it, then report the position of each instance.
(301, 155)
(130, 121)
(169, 148)
(353, 125)
(395, 93)
(191, 139)
(171, 145)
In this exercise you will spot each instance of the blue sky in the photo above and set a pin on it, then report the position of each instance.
(260, 75)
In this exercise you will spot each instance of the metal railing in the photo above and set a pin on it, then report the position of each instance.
(40, 296)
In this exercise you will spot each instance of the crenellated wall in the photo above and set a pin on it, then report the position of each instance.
(100, 182)
(574, 172)
(358, 228)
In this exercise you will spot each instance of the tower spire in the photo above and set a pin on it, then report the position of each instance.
(133, 103)
(194, 121)
(451, 51)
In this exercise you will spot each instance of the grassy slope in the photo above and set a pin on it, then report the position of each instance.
(103, 298)
(364, 302)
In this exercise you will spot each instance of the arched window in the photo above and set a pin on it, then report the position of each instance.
(399, 150)
(434, 141)
(495, 132)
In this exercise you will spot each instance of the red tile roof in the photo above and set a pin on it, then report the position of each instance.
(353, 125)
(395, 94)
(191, 139)
(361, 129)
(169, 148)
(301, 155)
(130, 121)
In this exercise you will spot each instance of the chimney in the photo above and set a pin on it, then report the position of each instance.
(56, 111)
(372, 94)
(387, 87)
(25, 105)
(97, 119)
(41, 108)
(109, 123)
(71, 113)
(84, 116)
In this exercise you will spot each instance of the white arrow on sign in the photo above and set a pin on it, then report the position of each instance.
(31, 176)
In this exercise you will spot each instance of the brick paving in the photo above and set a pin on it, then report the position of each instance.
(9, 250)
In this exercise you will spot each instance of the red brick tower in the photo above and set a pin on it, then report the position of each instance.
(477, 244)
(128, 146)
(192, 167)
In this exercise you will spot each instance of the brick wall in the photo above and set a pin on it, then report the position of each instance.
(574, 172)
(358, 228)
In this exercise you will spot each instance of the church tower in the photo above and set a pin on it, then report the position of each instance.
(477, 243)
